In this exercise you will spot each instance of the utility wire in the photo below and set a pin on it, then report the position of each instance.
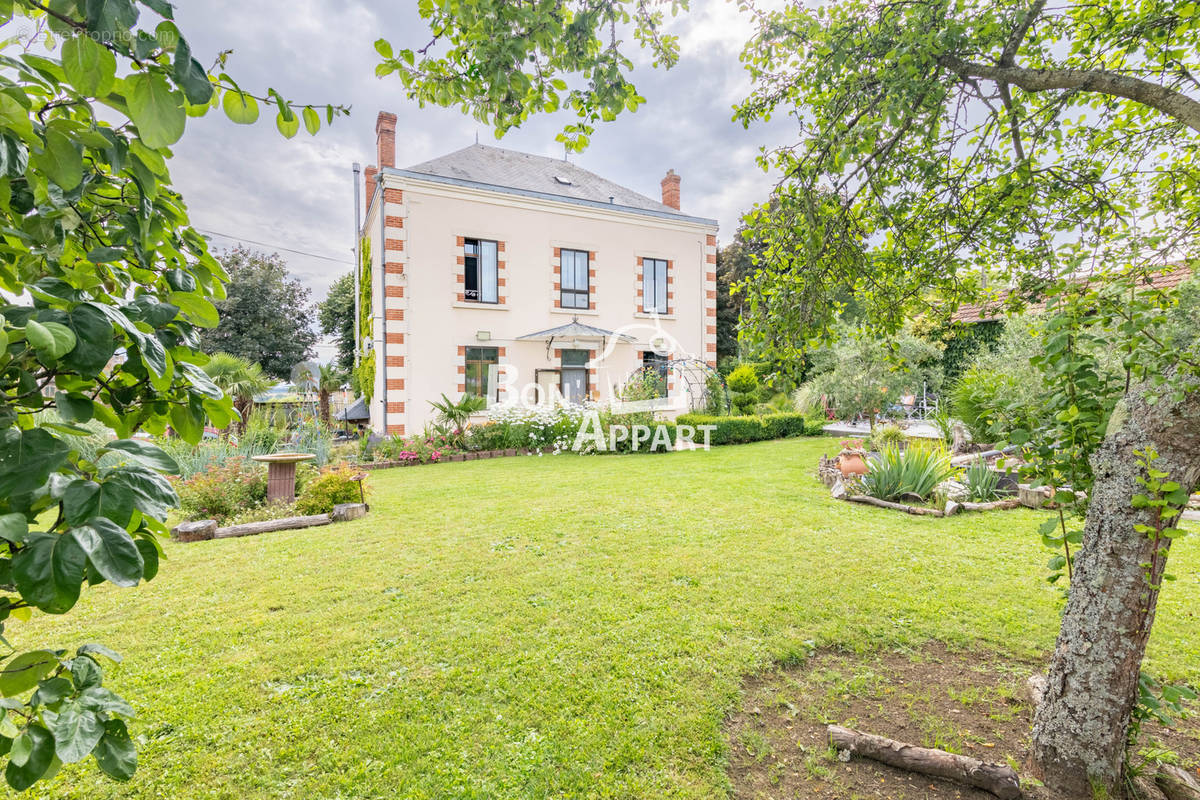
(275, 246)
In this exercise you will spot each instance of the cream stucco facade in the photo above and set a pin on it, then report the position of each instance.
(421, 230)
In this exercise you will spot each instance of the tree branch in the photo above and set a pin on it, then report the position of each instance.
(1014, 42)
(1167, 101)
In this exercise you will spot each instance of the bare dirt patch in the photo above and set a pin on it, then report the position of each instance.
(971, 703)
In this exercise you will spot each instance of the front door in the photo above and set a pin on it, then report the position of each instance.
(574, 383)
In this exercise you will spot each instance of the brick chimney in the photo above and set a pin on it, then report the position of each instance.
(385, 139)
(369, 184)
(670, 190)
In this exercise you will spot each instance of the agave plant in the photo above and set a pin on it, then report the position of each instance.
(913, 472)
(983, 483)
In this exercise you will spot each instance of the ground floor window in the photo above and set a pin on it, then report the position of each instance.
(478, 361)
(654, 371)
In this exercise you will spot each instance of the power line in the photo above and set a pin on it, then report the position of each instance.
(275, 246)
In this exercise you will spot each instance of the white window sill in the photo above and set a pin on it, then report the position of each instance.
(574, 311)
(483, 306)
(645, 315)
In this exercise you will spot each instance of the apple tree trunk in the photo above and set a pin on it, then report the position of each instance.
(1080, 728)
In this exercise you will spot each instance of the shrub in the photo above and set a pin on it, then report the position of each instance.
(222, 491)
(989, 403)
(743, 383)
(914, 472)
(982, 483)
(888, 437)
(740, 429)
(331, 487)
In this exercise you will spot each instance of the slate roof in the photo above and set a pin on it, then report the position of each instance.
(510, 169)
(995, 309)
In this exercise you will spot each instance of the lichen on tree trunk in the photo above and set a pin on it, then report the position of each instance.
(1081, 726)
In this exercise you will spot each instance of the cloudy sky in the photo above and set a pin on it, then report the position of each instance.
(248, 184)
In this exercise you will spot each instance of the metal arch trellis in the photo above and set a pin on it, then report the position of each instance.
(696, 373)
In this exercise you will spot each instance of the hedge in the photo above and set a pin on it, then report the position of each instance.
(737, 430)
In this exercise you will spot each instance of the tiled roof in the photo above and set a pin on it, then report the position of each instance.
(995, 309)
(496, 166)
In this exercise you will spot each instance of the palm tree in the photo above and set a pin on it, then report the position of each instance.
(329, 380)
(239, 379)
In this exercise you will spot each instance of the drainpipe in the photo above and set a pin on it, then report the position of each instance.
(356, 168)
(383, 292)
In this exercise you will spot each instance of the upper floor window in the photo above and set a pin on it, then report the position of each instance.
(479, 271)
(574, 278)
(654, 285)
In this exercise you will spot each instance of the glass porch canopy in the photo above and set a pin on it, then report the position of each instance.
(573, 331)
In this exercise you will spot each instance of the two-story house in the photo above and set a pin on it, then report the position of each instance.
(564, 281)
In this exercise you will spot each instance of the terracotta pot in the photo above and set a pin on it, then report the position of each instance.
(851, 464)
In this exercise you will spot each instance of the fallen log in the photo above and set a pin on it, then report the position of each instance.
(999, 779)
(285, 524)
(995, 505)
(1177, 783)
(875, 501)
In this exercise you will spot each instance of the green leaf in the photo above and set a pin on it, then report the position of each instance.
(101, 699)
(111, 19)
(100, 650)
(23, 672)
(48, 571)
(240, 107)
(111, 550)
(383, 47)
(152, 493)
(115, 753)
(312, 120)
(91, 67)
(73, 407)
(61, 159)
(94, 340)
(195, 308)
(27, 458)
(77, 731)
(36, 764)
(52, 340)
(14, 527)
(288, 127)
(156, 109)
(84, 499)
(151, 455)
(104, 255)
(190, 75)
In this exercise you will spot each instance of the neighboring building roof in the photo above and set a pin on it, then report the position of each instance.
(993, 310)
(354, 412)
(522, 173)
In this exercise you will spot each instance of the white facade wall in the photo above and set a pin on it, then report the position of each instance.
(417, 273)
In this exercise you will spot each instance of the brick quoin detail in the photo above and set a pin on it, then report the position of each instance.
(710, 347)
(393, 244)
(711, 258)
(503, 351)
(710, 240)
(462, 388)
(395, 430)
(710, 329)
(394, 222)
(393, 196)
(395, 361)
(711, 277)
(395, 338)
(395, 314)
(396, 408)
(393, 291)
(462, 349)
(395, 384)
(393, 268)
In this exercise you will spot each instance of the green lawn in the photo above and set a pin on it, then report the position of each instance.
(543, 627)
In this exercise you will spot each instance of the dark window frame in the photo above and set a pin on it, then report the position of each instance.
(472, 268)
(480, 362)
(574, 292)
